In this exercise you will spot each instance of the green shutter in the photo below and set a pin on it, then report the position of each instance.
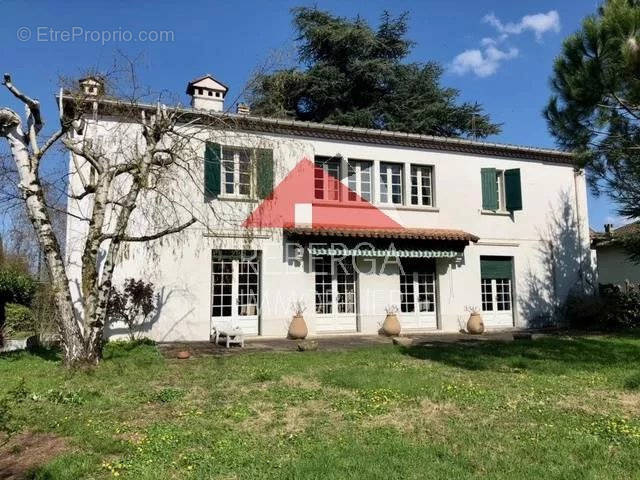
(489, 189)
(496, 267)
(513, 189)
(212, 154)
(264, 171)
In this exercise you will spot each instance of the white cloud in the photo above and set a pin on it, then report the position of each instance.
(486, 60)
(482, 63)
(538, 23)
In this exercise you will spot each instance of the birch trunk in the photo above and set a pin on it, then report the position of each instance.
(31, 190)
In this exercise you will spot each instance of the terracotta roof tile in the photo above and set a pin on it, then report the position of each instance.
(403, 233)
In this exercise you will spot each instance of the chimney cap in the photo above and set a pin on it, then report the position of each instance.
(211, 84)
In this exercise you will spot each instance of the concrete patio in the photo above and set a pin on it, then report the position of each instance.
(339, 342)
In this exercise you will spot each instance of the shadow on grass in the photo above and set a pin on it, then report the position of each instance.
(557, 355)
(48, 354)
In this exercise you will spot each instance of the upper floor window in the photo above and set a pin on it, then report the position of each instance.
(359, 179)
(421, 185)
(391, 184)
(236, 171)
(327, 178)
(501, 190)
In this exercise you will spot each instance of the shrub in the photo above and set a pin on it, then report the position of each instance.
(19, 318)
(615, 307)
(15, 287)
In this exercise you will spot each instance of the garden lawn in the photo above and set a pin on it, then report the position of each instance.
(561, 407)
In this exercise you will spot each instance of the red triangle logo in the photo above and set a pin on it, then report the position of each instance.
(310, 196)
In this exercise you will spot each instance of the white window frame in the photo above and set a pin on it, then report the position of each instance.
(324, 163)
(355, 181)
(239, 309)
(502, 201)
(421, 202)
(236, 173)
(387, 169)
(338, 277)
(490, 296)
(416, 281)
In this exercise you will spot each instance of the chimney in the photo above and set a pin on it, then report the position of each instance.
(608, 227)
(243, 109)
(92, 85)
(207, 93)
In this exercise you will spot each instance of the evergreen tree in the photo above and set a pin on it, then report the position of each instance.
(595, 108)
(351, 74)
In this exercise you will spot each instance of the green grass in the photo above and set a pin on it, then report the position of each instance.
(566, 407)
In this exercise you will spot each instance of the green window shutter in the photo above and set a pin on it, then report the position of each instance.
(513, 189)
(489, 189)
(212, 154)
(264, 171)
(496, 267)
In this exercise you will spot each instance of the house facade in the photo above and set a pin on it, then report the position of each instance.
(614, 263)
(349, 223)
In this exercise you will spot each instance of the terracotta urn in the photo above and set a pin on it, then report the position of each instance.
(391, 325)
(183, 355)
(475, 325)
(298, 328)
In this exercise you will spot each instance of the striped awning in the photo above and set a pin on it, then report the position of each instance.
(383, 252)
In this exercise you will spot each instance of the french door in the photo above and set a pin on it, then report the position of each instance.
(235, 287)
(497, 302)
(336, 295)
(418, 300)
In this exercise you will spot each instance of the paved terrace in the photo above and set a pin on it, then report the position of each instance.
(337, 342)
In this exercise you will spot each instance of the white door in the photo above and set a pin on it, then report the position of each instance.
(497, 302)
(235, 286)
(418, 301)
(335, 296)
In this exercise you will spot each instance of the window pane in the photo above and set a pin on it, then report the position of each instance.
(487, 295)
(391, 183)
(421, 185)
(324, 298)
(407, 300)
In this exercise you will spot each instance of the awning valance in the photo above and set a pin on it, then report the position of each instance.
(431, 234)
(383, 252)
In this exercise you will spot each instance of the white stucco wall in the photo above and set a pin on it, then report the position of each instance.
(548, 241)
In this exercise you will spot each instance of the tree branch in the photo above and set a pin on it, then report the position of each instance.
(155, 236)
(33, 105)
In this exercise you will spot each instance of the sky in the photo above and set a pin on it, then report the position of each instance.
(498, 53)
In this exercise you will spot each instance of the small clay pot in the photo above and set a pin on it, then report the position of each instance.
(391, 325)
(298, 328)
(475, 325)
(183, 355)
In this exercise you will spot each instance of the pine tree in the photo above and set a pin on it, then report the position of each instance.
(595, 107)
(351, 74)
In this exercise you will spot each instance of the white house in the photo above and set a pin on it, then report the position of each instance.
(350, 221)
(614, 264)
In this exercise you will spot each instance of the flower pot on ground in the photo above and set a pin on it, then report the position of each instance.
(298, 328)
(391, 325)
(475, 325)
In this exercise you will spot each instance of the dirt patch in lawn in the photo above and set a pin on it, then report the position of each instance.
(426, 415)
(28, 451)
(630, 403)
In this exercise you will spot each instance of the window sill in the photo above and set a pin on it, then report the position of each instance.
(416, 208)
(231, 198)
(499, 213)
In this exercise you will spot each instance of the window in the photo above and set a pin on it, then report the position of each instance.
(236, 172)
(391, 188)
(235, 279)
(417, 292)
(327, 178)
(421, 185)
(360, 180)
(335, 286)
(501, 189)
(496, 281)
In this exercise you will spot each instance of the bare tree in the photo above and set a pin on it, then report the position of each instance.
(132, 172)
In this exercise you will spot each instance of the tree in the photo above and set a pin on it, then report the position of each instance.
(133, 305)
(353, 75)
(135, 173)
(595, 107)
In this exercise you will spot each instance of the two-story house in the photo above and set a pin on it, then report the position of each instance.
(350, 221)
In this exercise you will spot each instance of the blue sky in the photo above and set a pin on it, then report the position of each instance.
(492, 54)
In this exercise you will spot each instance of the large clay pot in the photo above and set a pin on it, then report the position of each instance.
(391, 325)
(298, 328)
(475, 324)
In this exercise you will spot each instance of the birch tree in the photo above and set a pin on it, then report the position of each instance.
(121, 181)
